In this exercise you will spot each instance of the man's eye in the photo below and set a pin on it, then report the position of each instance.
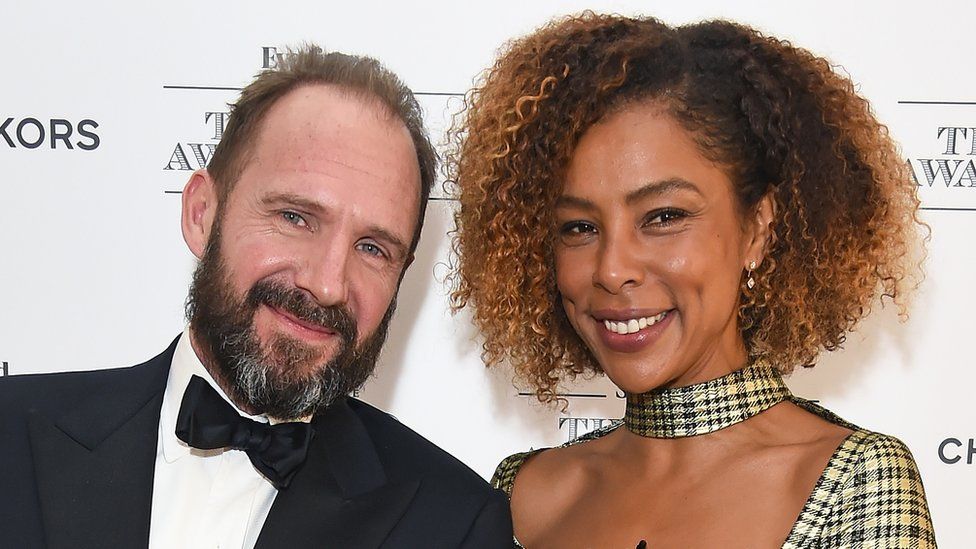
(293, 218)
(372, 249)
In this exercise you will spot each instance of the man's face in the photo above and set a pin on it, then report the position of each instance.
(291, 298)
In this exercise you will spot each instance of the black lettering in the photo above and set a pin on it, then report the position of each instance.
(579, 426)
(942, 167)
(202, 158)
(178, 157)
(3, 132)
(573, 425)
(40, 133)
(220, 120)
(942, 455)
(911, 170)
(94, 140)
(269, 57)
(4, 371)
(966, 171)
(56, 135)
(951, 138)
(972, 452)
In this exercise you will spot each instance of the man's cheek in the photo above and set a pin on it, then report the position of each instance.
(264, 323)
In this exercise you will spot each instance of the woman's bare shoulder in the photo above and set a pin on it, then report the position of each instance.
(543, 484)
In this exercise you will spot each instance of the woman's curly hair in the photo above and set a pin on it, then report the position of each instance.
(779, 119)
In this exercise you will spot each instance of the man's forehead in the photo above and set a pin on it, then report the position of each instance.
(340, 150)
(326, 107)
(313, 124)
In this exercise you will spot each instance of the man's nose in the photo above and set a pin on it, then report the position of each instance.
(618, 265)
(323, 273)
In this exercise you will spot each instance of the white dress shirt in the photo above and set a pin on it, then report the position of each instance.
(202, 499)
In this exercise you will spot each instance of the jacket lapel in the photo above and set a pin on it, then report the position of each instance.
(94, 465)
(341, 497)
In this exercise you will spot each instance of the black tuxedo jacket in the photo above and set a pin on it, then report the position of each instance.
(79, 450)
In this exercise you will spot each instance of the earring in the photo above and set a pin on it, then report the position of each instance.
(750, 282)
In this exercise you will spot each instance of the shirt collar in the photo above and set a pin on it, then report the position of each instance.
(185, 364)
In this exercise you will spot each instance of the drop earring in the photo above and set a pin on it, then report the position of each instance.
(750, 282)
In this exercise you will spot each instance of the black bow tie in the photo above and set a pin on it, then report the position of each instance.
(206, 422)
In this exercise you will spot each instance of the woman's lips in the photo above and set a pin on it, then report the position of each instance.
(633, 337)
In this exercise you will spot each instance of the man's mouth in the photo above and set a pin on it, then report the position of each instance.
(317, 328)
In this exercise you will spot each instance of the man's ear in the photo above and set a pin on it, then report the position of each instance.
(761, 231)
(199, 211)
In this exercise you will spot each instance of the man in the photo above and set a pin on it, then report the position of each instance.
(240, 434)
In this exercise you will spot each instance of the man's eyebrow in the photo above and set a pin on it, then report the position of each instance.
(390, 239)
(293, 200)
(654, 188)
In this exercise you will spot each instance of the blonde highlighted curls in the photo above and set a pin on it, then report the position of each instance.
(778, 118)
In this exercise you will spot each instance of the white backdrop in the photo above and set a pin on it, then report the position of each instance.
(93, 269)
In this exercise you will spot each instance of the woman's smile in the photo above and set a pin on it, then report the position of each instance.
(633, 334)
(650, 252)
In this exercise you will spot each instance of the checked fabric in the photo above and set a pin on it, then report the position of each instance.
(869, 495)
(705, 407)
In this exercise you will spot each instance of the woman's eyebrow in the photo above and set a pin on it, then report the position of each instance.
(570, 201)
(664, 186)
(654, 188)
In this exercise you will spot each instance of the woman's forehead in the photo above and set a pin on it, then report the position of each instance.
(635, 148)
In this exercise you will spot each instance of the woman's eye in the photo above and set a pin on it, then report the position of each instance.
(664, 217)
(577, 233)
(574, 228)
(293, 218)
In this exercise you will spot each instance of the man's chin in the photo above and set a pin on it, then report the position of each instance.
(295, 401)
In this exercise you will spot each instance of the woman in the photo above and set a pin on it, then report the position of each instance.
(692, 211)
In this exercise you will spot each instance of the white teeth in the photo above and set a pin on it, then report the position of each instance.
(633, 325)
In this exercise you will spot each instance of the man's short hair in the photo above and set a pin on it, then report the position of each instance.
(310, 65)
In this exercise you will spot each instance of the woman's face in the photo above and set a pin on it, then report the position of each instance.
(650, 252)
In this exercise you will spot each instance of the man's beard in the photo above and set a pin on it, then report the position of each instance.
(285, 378)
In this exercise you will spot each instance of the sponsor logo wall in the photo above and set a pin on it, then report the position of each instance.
(102, 122)
(31, 133)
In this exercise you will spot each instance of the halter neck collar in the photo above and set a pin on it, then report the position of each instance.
(705, 407)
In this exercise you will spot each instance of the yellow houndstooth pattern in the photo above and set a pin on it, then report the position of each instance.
(870, 495)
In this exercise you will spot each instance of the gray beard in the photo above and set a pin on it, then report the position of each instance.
(260, 377)
(284, 378)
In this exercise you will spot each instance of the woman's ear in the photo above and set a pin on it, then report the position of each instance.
(760, 230)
